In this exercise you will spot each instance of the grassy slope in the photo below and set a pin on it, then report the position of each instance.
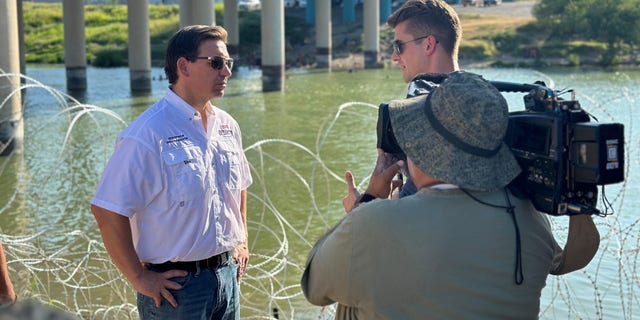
(106, 32)
(484, 27)
(482, 33)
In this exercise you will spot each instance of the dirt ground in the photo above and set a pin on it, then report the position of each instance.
(512, 9)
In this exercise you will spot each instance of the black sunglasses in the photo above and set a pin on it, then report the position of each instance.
(397, 45)
(218, 62)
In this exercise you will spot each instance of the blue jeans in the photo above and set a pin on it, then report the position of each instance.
(205, 294)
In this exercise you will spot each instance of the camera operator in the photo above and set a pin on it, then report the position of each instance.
(462, 247)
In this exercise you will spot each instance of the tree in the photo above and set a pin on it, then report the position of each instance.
(613, 22)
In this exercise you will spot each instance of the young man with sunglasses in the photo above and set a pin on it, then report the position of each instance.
(427, 34)
(171, 204)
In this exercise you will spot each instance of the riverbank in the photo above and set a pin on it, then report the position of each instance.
(475, 20)
(483, 25)
(480, 26)
(354, 61)
(501, 36)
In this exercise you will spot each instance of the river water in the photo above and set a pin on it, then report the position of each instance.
(299, 143)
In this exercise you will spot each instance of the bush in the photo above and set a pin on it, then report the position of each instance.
(50, 57)
(94, 16)
(163, 12)
(42, 15)
(106, 31)
(585, 48)
(111, 56)
(116, 34)
(574, 60)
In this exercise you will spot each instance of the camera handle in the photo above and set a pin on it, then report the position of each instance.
(503, 86)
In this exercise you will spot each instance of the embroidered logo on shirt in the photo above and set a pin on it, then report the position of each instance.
(177, 138)
(225, 131)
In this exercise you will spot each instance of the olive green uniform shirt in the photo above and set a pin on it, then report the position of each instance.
(438, 254)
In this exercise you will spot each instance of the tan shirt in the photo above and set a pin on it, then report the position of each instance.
(435, 255)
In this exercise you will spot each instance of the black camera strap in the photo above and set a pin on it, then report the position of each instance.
(518, 274)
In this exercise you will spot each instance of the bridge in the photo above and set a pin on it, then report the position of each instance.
(191, 12)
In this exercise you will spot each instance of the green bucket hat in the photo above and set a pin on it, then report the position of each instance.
(455, 134)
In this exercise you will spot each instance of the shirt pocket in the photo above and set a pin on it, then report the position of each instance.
(185, 173)
(230, 160)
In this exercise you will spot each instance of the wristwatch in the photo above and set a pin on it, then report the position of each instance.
(365, 197)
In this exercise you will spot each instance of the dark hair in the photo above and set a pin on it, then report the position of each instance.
(186, 43)
(435, 17)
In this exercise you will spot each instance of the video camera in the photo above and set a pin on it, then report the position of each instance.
(563, 156)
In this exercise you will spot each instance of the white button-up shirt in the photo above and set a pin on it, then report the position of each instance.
(179, 185)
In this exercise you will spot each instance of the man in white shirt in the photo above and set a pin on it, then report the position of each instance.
(171, 204)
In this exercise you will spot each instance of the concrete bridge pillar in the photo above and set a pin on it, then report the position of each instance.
(323, 34)
(232, 25)
(197, 12)
(75, 56)
(11, 122)
(22, 48)
(371, 17)
(272, 27)
(139, 46)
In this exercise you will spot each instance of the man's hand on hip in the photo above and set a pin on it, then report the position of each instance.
(157, 284)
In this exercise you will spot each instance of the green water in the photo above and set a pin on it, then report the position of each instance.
(299, 143)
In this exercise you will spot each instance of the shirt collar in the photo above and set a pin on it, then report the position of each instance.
(444, 186)
(183, 107)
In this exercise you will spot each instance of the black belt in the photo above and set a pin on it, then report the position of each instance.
(209, 263)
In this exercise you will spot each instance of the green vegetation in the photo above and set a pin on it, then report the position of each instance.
(487, 37)
(106, 32)
(614, 23)
(571, 32)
